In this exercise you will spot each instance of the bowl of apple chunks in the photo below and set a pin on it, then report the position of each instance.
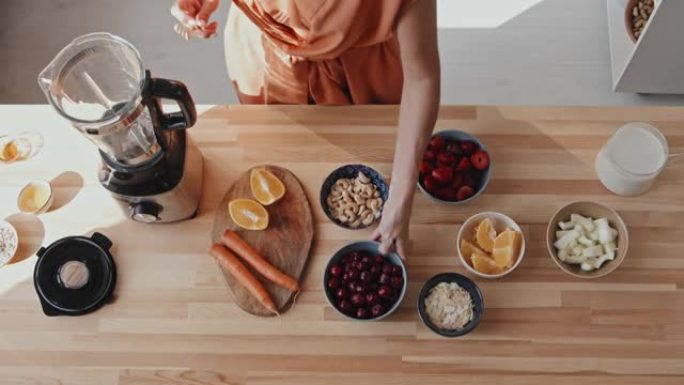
(587, 239)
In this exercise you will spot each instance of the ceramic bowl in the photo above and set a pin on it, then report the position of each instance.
(500, 222)
(42, 208)
(593, 210)
(469, 286)
(484, 182)
(351, 171)
(372, 248)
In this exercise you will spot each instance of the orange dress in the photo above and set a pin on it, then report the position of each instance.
(315, 51)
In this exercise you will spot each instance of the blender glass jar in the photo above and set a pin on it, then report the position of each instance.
(97, 83)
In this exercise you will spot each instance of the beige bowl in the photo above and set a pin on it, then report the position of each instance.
(500, 222)
(36, 197)
(593, 210)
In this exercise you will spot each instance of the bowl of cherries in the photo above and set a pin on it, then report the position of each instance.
(362, 284)
(455, 167)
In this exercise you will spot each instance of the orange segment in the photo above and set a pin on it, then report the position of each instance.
(506, 248)
(468, 249)
(484, 264)
(485, 235)
(248, 214)
(266, 187)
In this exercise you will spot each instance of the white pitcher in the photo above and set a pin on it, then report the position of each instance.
(632, 159)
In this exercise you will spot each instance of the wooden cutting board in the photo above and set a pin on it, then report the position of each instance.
(285, 243)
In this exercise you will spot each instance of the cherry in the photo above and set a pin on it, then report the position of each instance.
(358, 299)
(387, 269)
(384, 279)
(365, 276)
(372, 298)
(334, 283)
(336, 270)
(342, 293)
(353, 275)
(361, 313)
(377, 310)
(375, 271)
(396, 282)
(396, 270)
(379, 259)
(345, 306)
(384, 291)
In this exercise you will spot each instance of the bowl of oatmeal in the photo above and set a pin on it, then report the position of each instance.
(450, 304)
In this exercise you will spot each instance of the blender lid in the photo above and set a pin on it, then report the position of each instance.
(96, 80)
(75, 275)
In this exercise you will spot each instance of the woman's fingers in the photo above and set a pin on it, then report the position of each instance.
(209, 30)
(386, 245)
(402, 248)
(377, 234)
(208, 7)
(184, 14)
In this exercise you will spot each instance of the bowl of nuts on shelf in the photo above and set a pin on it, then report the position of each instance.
(353, 196)
(637, 15)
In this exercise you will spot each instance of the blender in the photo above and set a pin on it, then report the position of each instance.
(149, 164)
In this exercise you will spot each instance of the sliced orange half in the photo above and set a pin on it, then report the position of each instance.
(248, 214)
(266, 187)
(485, 235)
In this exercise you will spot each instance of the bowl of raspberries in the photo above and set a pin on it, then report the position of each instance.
(455, 168)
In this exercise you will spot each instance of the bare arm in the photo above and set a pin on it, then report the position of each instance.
(417, 34)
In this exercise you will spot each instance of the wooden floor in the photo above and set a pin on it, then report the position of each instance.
(174, 321)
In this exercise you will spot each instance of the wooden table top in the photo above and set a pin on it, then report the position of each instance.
(174, 321)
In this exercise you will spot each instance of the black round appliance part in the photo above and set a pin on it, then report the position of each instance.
(57, 298)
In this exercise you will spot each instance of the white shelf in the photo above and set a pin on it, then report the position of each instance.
(655, 63)
(621, 46)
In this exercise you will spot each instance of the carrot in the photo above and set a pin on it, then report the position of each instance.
(231, 263)
(233, 241)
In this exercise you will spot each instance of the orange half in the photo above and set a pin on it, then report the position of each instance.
(248, 214)
(266, 187)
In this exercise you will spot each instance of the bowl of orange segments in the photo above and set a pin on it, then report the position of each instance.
(490, 244)
(250, 214)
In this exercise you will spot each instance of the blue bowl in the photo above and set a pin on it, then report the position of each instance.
(469, 286)
(461, 135)
(351, 171)
(369, 247)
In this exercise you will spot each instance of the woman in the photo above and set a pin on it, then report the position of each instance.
(338, 52)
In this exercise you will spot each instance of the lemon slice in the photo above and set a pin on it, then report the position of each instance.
(248, 214)
(266, 187)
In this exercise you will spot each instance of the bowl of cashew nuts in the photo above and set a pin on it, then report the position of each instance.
(353, 196)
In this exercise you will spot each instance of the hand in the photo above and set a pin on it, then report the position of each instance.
(193, 17)
(393, 231)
